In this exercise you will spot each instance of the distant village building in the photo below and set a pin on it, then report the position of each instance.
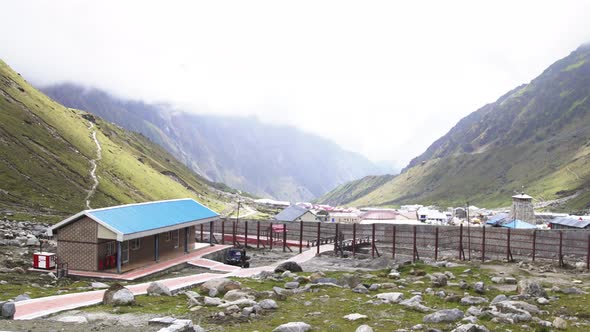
(296, 213)
(522, 208)
(570, 222)
(344, 217)
(120, 237)
(460, 213)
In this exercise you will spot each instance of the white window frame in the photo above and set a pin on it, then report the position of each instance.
(168, 236)
(135, 244)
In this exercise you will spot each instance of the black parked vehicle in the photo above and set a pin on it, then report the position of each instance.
(237, 257)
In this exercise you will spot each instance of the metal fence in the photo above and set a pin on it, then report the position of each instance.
(415, 241)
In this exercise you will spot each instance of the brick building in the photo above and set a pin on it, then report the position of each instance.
(126, 235)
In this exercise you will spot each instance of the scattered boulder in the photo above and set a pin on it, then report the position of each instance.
(361, 289)
(364, 328)
(22, 297)
(542, 301)
(559, 323)
(471, 300)
(288, 266)
(415, 303)
(99, 285)
(170, 324)
(268, 304)
(499, 298)
(471, 328)
(530, 287)
(234, 295)
(438, 279)
(293, 327)
(158, 288)
(444, 316)
(292, 285)
(8, 310)
(222, 285)
(394, 297)
(572, 290)
(118, 295)
(212, 301)
(479, 287)
(349, 280)
(325, 281)
(355, 316)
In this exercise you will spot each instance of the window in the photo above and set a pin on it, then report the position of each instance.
(168, 236)
(135, 244)
(111, 248)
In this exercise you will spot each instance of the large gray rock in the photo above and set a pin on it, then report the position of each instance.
(355, 316)
(291, 285)
(393, 297)
(158, 288)
(118, 295)
(471, 328)
(212, 301)
(288, 266)
(438, 279)
(530, 287)
(99, 285)
(471, 300)
(268, 304)
(444, 316)
(364, 328)
(293, 327)
(235, 294)
(479, 287)
(350, 280)
(499, 298)
(222, 285)
(415, 303)
(22, 297)
(8, 310)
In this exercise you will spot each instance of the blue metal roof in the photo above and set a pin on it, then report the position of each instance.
(517, 223)
(134, 218)
(497, 219)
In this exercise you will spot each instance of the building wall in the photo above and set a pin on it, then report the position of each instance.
(523, 209)
(308, 216)
(77, 245)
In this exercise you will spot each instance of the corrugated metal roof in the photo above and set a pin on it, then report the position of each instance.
(134, 218)
(497, 219)
(571, 222)
(291, 213)
(143, 219)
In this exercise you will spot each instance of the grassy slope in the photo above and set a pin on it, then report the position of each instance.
(46, 151)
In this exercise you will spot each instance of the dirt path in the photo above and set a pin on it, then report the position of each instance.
(94, 162)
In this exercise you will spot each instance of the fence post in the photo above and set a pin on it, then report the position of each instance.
(393, 245)
(300, 236)
(234, 230)
(461, 241)
(372, 240)
(508, 245)
(436, 244)
(354, 240)
(534, 244)
(318, 243)
(258, 234)
(415, 249)
(270, 235)
(223, 232)
(483, 244)
(245, 233)
(336, 239)
(560, 248)
(284, 237)
(201, 232)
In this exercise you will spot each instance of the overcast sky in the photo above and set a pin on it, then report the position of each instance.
(381, 78)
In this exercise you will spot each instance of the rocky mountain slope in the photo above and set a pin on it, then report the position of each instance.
(277, 161)
(537, 136)
(48, 153)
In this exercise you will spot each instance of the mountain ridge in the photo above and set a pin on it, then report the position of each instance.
(268, 160)
(536, 135)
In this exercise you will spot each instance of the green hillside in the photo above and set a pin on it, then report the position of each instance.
(537, 136)
(45, 160)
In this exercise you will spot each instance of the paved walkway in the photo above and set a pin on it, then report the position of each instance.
(44, 306)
